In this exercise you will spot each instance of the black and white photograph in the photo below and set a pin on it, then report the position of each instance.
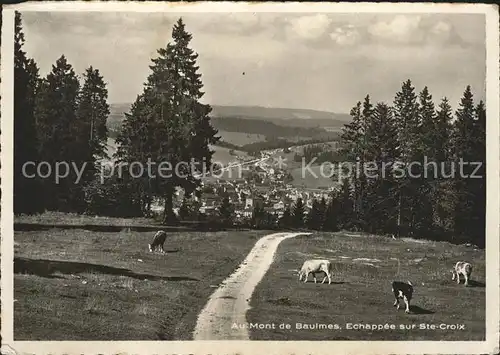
(282, 173)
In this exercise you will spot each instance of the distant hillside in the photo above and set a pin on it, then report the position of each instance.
(284, 116)
(293, 117)
(275, 113)
(291, 124)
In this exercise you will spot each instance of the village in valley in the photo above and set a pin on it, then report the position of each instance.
(249, 184)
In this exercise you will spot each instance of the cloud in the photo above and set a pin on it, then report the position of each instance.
(422, 30)
(401, 29)
(345, 36)
(320, 50)
(309, 27)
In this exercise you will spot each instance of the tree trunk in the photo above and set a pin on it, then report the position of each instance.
(168, 213)
(398, 228)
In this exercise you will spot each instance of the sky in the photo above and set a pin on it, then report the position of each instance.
(323, 61)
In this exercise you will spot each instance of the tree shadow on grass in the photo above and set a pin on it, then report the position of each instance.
(473, 283)
(169, 251)
(47, 268)
(420, 310)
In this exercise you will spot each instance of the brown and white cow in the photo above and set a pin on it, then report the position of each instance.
(158, 241)
(462, 268)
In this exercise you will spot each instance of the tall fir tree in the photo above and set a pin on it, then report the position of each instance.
(464, 151)
(315, 217)
(136, 144)
(381, 146)
(298, 213)
(92, 114)
(406, 112)
(477, 183)
(428, 150)
(347, 218)
(176, 124)
(332, 216)
(361, 185)
(286, 219)
(353, 139)
(226, 212)
(323, 205)
(27, 190)
(443, 195)
(90, 132)
(381, 187)
(352, 134)
(55, 115)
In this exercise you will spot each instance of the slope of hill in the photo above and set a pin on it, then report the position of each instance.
(265, 123)
(282, 116)
(301, 116)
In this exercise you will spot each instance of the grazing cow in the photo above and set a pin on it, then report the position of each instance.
(404, 291)
(462, 268)
(158, 241)
(316, 266)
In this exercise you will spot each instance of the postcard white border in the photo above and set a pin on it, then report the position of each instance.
(490, 346)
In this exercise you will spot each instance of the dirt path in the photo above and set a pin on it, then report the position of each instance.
(229, 303)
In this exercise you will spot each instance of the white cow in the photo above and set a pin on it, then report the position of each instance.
(316, 266)
(462, 268)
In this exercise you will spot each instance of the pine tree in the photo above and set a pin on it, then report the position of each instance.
(352, 135)
(136, 144)
(344, 200)
(381, 146)
(428, 147)
(361, 185)
(258, 216)
(322, 207)
(92, 114)
(298, 213)
(464, 150)
(226, 212)
(353, 139)
(381, 187)
(443, 194)
(286, 219)
(314, 218)
(175, 126)
(427, 139)
(406, 112)
(55, 115)
(90, 132)
(332, 214)
(27, 191)
(184, 211)
(477, 184)
(442, 132)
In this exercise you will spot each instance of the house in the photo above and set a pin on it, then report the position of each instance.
(247, 212)
(279, 205)
(209, 210)
(249, 203)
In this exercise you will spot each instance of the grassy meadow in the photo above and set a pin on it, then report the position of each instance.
(74, 284)
(364, 267)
